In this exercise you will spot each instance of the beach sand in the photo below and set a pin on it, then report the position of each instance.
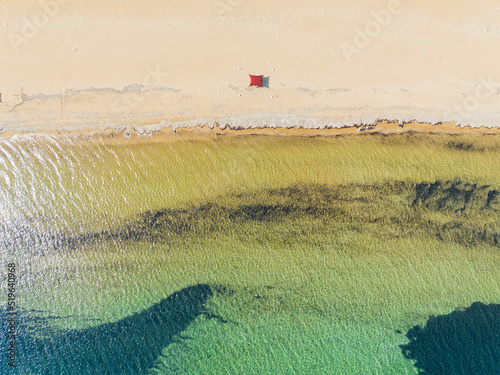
(85, 66)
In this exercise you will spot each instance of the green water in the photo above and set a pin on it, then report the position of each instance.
(247, 255)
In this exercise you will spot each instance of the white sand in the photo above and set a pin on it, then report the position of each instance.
(88, 65)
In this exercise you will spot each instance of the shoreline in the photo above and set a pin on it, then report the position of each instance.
(171, 132)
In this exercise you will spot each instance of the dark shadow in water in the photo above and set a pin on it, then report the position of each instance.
(464, 342)
(129, 346)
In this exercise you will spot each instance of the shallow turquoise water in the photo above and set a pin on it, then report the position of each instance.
(241, 257)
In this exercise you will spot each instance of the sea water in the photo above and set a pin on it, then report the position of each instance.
(250, 255)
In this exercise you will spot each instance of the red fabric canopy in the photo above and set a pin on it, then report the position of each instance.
(255, 80)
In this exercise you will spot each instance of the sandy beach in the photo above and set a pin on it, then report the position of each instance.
(84, 66)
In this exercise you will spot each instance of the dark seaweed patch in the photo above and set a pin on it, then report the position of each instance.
(394, 207)
(456, 196)
(455, 211)
(463, 146)
(465, 342)
(493, 199)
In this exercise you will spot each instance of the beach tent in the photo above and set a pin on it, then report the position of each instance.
(255, 80)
